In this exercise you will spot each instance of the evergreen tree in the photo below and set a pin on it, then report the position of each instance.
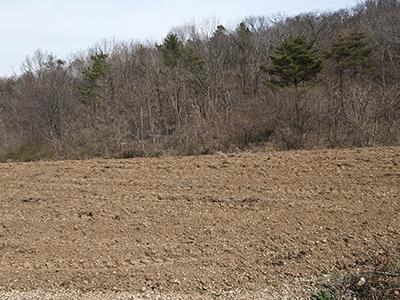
(175, 52)
(171, 50)
(195, 65)
(245, 46)
(350, 53)
(53, 63)
(244, 37)
(220, 31)
(219, 42)
(92, 73)
(294, 62)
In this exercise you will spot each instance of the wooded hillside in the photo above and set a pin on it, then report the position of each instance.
(310, 81)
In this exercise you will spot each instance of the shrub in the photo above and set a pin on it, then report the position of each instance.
(323, 295)
(379, 279)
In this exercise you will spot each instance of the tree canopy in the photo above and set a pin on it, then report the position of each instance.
(294, 62)
(351, 51)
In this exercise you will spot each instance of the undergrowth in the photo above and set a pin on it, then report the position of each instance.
(378, 279)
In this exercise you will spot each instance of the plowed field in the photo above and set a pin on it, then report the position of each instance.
(243, 226)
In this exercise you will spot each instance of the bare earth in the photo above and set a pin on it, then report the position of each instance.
(246, 226)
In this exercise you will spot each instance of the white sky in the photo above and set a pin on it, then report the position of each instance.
(66, 26)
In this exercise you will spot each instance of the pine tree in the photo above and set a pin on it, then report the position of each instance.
(218, 42)
(53, 63)
(195, 65)
(245, 45)
(171, 50)
(350, 53)
(220, 31)
(294, 62)
(91, 74)
(174, 52)
(244, 36)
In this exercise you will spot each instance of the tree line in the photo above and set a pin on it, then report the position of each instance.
(310, 81)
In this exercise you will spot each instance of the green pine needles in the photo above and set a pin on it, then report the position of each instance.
(171, 50)
(176, 54)
(351, 52)
(294, 62)
(92, 73)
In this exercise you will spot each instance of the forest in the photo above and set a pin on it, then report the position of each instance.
(315, 80)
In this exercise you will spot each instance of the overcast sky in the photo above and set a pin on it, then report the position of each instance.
(65, 26)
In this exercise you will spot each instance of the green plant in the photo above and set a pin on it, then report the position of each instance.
(92, 73)
(377, 277)
(350, 53)
(195, 65)
(294, 66)
(171, 50)
(244, 36)
(294, 62)
(323, 295)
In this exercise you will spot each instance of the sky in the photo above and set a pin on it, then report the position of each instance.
(66, 26)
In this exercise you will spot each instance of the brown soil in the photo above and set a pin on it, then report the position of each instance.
(209, 225)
